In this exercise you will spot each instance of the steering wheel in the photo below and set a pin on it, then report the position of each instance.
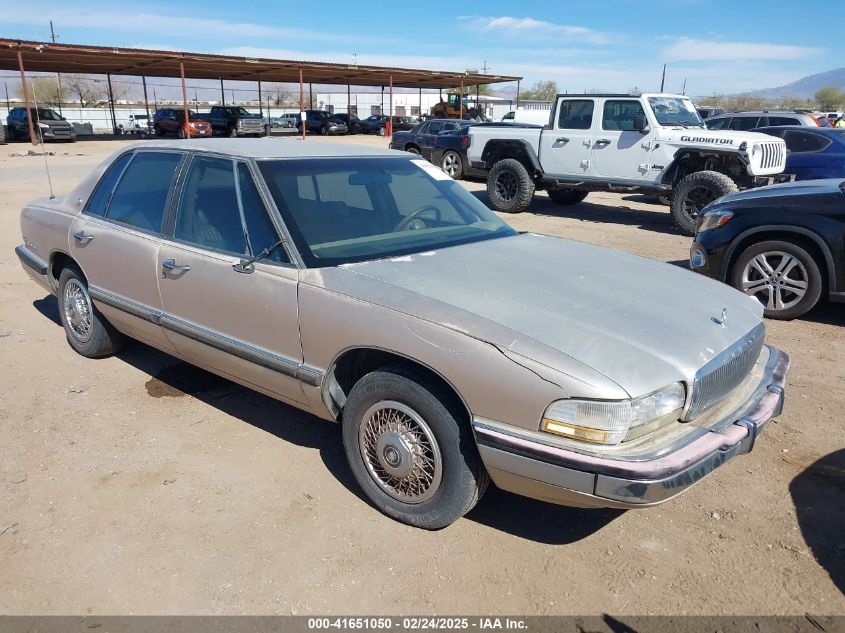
(404, 223)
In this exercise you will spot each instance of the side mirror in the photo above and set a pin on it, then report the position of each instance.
(641, 124)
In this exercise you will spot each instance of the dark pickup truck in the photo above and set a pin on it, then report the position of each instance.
(234, 121)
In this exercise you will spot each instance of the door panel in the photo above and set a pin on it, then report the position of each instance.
(565, 150)
(244, 325)
(620, 151)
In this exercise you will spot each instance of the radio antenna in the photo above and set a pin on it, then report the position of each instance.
(41, 141)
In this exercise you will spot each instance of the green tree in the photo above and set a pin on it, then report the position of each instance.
(829, 98)
(541, 91)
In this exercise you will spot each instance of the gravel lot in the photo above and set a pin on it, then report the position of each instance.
(137, 484)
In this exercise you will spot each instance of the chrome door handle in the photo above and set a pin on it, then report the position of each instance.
(82, 237)
(603, 141)
(170, 264)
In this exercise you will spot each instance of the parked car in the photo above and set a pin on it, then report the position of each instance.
(782, 245)
(136, 124)
(651, 143)
(321, 122)
(356, 296)
(509, 117)
(450, 153)
(352, 123)
(812, 152)
(706, 113)
(420, 138)
(289, 120)
(49, 125)
(172, 121)
(750, 120)
(234, 121)
(374, 124)
(2, 134)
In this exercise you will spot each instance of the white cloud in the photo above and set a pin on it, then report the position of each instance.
(692, 49)
(531, 27)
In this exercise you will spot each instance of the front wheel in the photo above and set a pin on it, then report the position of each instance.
(509, 186)
(324, 131)
(233, 132)
(783, 276)
(382, 131)
(411, 450)
(181, 133)
(452, 165)
(88, 333)
(696, 191)
(566, 196)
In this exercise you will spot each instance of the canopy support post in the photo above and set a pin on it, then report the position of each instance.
(32, 138)
(185, 100)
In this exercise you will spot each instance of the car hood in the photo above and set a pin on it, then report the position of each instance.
(702, 137)
(641, 323)
(827, 186)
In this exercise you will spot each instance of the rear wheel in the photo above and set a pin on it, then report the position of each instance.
(452, 165)
(382, 131)
(410, 448)
(696, 191)
(88, 333)
(181, 133)
(233, 132)
(324, 131)
(567, 196)
(412, 150)
(783, 276)
(509, 186)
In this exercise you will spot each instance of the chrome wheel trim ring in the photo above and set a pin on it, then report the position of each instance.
(400, 452)
(776, 279)
(78, 310)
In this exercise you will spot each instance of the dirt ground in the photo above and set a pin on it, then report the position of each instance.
(137, 484)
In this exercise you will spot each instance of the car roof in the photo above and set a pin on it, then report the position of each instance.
(765, 113)
(824, 131)
(268, 148)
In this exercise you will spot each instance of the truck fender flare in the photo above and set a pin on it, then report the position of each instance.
(522, 147)
(669, 173)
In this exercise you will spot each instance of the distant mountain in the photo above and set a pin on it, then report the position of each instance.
(806, 87)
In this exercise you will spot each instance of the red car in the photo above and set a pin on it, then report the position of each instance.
(172, 121)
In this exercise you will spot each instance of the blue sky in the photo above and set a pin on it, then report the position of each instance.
(717, 46)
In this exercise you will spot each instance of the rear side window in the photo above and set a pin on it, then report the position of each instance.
(783, 120)
(804, 142)
(141, 195)
(744, 122)
(99, 200)
(717, 124)
(620, 115)
(208, 213)
(576, 115)
(262, 233)
(434, 127)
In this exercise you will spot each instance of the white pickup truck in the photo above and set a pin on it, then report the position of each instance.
(651, 143)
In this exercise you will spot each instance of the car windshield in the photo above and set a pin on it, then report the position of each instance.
(671, 111)
(344, 210)
(45, 114)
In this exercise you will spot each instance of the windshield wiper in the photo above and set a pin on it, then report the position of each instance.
(247, 265)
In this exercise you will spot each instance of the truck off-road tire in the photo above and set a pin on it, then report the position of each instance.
(411, 449)
(509, 186)
(567, 196)
(88, 333)
(783, 276)
(452, 165)
(696, 191)
(664, 198)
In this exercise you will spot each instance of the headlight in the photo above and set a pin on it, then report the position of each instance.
(715, 218)
(43, 126)
(755, 149)
(608, 422)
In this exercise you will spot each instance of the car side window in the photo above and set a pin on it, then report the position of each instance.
(435, 127)
(717, 124)
(805, 142)
(621, 114)
(423, 129)
(208, 213)
(99, 200)
(783, 120)
(262, 233)
(141, 194)
(575, 114)
(744, 122)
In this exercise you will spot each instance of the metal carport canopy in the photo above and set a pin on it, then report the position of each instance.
(44, 57)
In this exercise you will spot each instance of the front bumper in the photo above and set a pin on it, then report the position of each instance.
(519, 463)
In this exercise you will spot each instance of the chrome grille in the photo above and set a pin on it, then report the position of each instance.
(724, 373)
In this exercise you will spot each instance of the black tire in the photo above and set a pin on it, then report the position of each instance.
(181, 133)
(509, 186)
(566, 196)
(382, 131)
(696, 191)
(158, 131)
(324, 131)
(10, 136)
(463, 478)
(413, 150)
(664, 198)
(746, 271)
(452, 165)
(232, 132)
(101, 339)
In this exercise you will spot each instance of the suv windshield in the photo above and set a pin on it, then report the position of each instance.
(671, 111)
(343, 210)
(45, 114)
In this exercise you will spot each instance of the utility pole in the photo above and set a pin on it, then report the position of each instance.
(663, 79)
(58, 75)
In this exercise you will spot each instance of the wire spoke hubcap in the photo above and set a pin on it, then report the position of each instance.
(776, 279)
(77, 308)
(400, 452)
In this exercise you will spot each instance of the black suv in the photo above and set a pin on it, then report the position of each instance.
(48, 124)
(780, 244)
